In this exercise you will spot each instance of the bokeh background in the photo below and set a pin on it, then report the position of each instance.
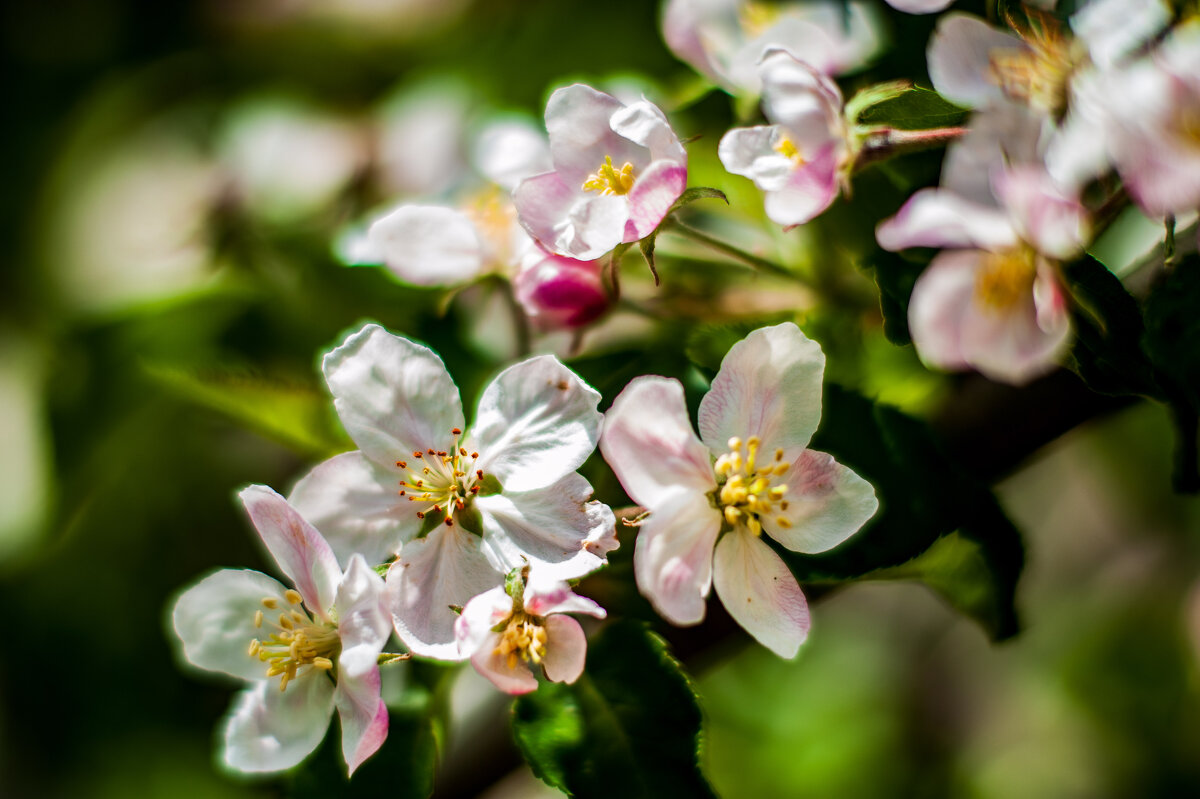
(179, 177)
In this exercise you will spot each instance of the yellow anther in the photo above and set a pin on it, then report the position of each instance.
(754, 524)
(783, 522)
(779, 454)
(254, 647)
(732, 514)
(283, 681)
(1006, 278)
(782, 468)
(759, 485)
(292, 596)
(324, 664)
(787, 148)
(258, 618)
(777, 492)
(270, 602)
(274, 670)
(286, 622)
(735, 444)
(607, 179)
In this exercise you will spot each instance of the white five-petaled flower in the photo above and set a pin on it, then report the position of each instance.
(504, 635)
(798, 160)
(993, 300)
(305, 650)
(617, 171)
(706, 516)
(462, 510)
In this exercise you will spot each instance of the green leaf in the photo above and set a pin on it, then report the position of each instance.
(297, 416)
(895, 276)
(707, 344)
(629, 727)
(915, 109)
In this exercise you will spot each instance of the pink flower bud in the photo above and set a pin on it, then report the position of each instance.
(560, 292)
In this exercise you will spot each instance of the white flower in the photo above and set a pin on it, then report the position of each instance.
(707, 518)
(798, 161)
(503, 635)
(462, 510)
(251, 626)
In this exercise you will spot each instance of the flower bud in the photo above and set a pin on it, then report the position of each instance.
(560, 292)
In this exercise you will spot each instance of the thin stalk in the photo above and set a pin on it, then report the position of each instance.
(732, 250)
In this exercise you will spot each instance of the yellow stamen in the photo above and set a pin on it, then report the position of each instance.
(607, 179)
(270, 602)
(1006, 278)
(787, 148)
(292, 596)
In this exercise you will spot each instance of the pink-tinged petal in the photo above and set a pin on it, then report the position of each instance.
(556, 529)
(515, 680)
(1055, 223)
(393, 395)
(811, 189)
(648, 441)
(558, 292)
(214, 620)
(753, 153)
(510, 150)
(960, 56)
(473, 628)
(1001, 134)
(760, 593)
(566, 649)
(855, 33)
(567, 220)
(672, 559)
(537, 422)
(645, 124)
(428, 245)
(579, 123)
(919, 6)
(444, 569)
(272, 730)
(682, 27)
(363, 715)
(938, 218)
(354, 502)
(302, 554)
(769, 385)
(1013, 344)
(544, 594)
(652, 195)
(800, 97)
(942, 297)
(362, 619)
(826, 504)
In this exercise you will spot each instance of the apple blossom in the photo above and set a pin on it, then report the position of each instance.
(706, 517)
(321, 639)
(799, 160)
(725, 39)
(993, 300)
(512, 627)
(461, 510)
(617, 171)
(558, 292)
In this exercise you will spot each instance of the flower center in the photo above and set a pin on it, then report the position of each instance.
(524, 637)
(296, 641)
(755, 18)
(746, 495)
(446, 479)
(1038, 76)
(494, 219)
(610, 180)
(1005, 278)
(787, 148)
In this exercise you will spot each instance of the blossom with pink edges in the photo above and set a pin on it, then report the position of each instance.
(617, 170)
(992, 300)
(504, 636)
(305, 650)
(798, 161)
(711, 499)
(458, 509)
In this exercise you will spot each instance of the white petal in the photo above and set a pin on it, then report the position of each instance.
(473, 628)
(355, 503)
(919, 6)
(363, 715)
(545, 595)
(800, 97)
(826, 504)
(751, 153)
(302, 554)
(1113, 29)
(760, 593)
(942, 297)
(643, 123)
(362, 620)
(1042, 213)
(1001, 134)
(272, 730)
(428, 245)
(578, 122)
(445, 568)
(959, 57)
(556, 529)
(649, 443)
(939, 218)
(393, 395)
(510, 150)
(537, 422)
(672, 559)
(515, 680)
(810, 189)
(215, 620)
(769, 386)
(566, 649)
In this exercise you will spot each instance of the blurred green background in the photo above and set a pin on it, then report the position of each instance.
(178, 175)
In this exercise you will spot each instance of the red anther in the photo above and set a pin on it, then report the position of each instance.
(402, 464)
(419, 483)
(474, 454)
(437, 508)
(443, 453)
(458, 503)
(449, 521)
(456, 432)
(416, 453)
(462, 452)
(430, 451)
(420, 515)
(401, 493)
(474, 489)
(479, 473)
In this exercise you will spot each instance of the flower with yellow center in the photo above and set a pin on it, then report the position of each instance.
(321, 640)
(711, 501)
(610, 180)
(510, 630)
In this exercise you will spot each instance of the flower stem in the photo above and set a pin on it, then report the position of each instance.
(731, 250)
(519, 319)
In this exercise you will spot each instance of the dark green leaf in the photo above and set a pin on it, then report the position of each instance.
(629, 727)
(895, 275)
(916, 109)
